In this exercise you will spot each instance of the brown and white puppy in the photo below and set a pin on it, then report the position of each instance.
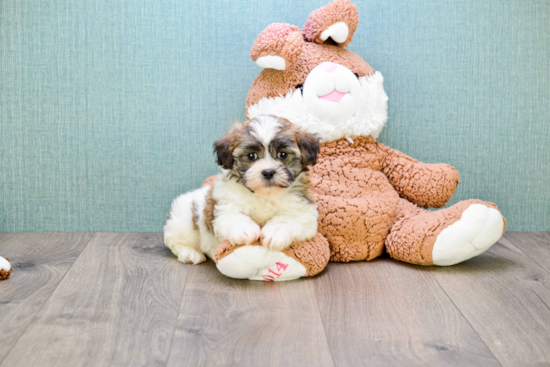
(262, 194)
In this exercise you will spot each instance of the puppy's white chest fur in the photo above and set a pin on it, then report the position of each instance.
(258, 207)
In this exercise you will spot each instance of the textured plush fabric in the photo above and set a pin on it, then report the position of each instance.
(279, 39)
(272, 83)
(358, 188)
(108, 109)
(414, 230)
(334, 12)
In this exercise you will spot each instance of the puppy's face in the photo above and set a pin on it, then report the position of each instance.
(267, 154)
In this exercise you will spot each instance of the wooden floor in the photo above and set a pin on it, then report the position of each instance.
(103, 299)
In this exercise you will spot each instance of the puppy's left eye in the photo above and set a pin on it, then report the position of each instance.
(252, 156)
(281, 155)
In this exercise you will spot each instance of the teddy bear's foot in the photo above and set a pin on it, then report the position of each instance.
(444, 237)
(478, 228)
(256, 262)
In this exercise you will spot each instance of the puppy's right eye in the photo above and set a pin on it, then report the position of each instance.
(252, 156)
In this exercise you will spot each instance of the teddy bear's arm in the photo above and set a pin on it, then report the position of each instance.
(426, 185)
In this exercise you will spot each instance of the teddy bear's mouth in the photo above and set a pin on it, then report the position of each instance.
(334, 96)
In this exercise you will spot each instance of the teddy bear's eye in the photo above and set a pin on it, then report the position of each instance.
(301, 88)
(252, 156)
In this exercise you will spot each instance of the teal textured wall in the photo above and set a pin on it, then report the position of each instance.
(108, 108)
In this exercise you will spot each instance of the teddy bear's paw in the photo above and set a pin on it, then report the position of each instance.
(260, 263)
(275, 236)
(188, 255)
(478, 228)
(245, 235)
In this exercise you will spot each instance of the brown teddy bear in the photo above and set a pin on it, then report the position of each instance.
(5, 268)
(370, 196)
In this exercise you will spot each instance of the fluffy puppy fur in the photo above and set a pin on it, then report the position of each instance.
(262, 194)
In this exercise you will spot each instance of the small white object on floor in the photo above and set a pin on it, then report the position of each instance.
(4, 264)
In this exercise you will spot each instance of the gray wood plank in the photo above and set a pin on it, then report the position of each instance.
(117, 306)
(505, 296)
(40, 261)
(227, 322)
(536, 245)
(387, 313)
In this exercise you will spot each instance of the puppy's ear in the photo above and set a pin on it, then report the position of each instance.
(223, 148)
(309, 147)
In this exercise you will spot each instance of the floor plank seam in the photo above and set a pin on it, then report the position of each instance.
(177, 316)
(323, 324)
(503, 293)
(468, 321)
(46, 301)
(534, 259)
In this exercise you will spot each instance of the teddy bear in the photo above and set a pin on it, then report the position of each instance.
(371, 198)
(5, 268)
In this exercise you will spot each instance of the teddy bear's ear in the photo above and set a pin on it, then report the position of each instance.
(278, 47)
(337, 21)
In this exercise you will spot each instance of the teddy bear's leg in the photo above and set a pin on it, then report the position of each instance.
(444, 237)
(356, 228)
(256, 262)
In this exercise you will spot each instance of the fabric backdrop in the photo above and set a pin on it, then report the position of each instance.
(109, 108)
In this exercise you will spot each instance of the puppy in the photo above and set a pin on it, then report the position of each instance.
(262, 193)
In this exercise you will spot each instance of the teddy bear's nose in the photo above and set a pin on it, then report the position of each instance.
(329, 67)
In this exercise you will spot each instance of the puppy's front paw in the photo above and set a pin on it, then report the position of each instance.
(187, 255)
(245, 235)
(276, 236)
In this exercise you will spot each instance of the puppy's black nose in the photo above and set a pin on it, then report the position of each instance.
(268, 173)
